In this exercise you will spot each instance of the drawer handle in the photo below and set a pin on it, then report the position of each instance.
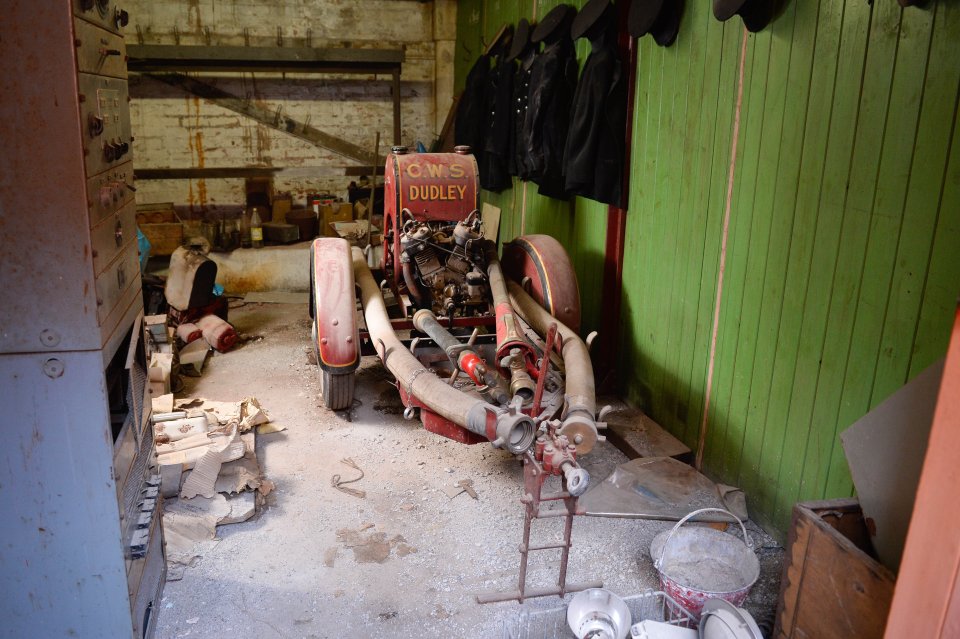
(118, 233)
(121, 277)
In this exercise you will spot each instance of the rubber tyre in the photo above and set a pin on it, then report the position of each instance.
(337, 390)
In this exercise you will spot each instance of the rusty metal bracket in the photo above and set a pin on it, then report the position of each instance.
(534, 475)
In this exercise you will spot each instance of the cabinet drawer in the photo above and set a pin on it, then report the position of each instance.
(99, 51)
(105, 120)
(110, 236)
(109, 192)
(120, 274)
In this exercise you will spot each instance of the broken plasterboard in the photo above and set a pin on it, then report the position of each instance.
(885, 450)
(246, 414)
(241, 474)
(207, 468)
(190, 526)
(162, 404)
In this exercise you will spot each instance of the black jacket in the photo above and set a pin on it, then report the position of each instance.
(520, 165)
(494, 170)
(472, 111)
(593, 159)
(553, 80)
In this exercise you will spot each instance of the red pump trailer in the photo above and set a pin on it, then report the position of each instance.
(439, 302)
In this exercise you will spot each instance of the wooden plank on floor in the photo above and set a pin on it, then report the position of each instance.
(636, 435)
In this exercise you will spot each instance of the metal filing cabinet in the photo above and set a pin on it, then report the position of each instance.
(81, 546)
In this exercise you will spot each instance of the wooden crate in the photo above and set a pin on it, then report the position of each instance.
(336, 212)
(160, 223)
(831, 586)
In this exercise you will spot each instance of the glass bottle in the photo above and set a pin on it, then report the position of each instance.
(256, 229)
(245, 228)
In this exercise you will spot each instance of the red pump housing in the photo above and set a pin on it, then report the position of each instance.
(426, 187)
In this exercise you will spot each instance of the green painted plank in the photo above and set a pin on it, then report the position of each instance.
(469, 17)
(715, 192)
(943, 280)
(673, 409)
(874, 91)
(718, 74)
(684, 418)
(789, 395)
(725, 437)
(768, 156)
(815, 362)
(589, 239)
(812, 440)
(628, 358)
(782, 200)
(922, 206)
(885, 222)
(640, 257)
(635, 309)
(667, 182)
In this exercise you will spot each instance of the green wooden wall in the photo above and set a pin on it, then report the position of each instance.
(581, 225)
(842, 260)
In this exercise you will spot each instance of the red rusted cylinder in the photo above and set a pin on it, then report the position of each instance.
(189, 332)
(219, 334)
(432, 186)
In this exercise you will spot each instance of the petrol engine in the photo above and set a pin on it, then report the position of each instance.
(444, 267)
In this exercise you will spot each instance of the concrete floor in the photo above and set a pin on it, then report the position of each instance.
(267, 577)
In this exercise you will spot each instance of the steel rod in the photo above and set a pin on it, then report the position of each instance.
(531, 593)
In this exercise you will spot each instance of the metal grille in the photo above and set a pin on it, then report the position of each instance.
(134, 485)
(552, 623)
(138, 382)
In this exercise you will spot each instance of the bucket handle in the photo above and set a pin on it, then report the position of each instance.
(663, 549)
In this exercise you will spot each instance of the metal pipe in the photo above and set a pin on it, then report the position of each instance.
(579, 422)
(420, 295)
(509, 335)
(509, 429)
(520, 381)
(463, 356)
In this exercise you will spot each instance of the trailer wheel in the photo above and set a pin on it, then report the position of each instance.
(337, 390)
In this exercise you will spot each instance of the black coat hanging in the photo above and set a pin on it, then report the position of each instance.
(553, 81)
(472, 111)
(593, 158)
(494, 169)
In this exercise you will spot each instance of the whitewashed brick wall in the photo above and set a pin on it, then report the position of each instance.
(173, 129)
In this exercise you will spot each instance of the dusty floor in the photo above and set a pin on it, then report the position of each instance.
(286, 574)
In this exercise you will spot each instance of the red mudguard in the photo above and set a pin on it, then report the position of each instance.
(335, 305)
(553, 282)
